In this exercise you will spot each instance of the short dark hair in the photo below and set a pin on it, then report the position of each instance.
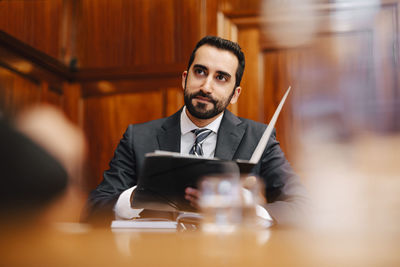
(224, 44)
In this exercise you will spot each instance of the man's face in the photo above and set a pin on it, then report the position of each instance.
(209, 86)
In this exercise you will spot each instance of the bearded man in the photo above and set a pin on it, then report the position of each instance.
(210, 83)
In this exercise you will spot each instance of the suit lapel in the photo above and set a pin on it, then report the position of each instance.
(169, 135)
(230, 134)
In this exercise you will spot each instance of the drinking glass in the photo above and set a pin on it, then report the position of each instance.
(220, 203)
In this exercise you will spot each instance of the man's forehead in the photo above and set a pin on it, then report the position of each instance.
(216, 59)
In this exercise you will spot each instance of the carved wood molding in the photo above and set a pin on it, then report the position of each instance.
(139, 72)
(38, 67)
(31, 63)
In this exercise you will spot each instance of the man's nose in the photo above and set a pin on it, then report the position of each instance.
(207, 85)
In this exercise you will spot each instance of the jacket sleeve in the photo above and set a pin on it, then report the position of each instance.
(287, 200)
(120, 176)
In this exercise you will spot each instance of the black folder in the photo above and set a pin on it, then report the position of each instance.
(162, 183)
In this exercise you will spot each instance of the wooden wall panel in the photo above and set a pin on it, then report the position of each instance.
(106, 119)
(50, 96)
(276, 80)
(54, 98)
(17, 93)
(173, 100)
(192, 21)
(240, 6)
(72, 102)
(250, 104)
(36, 23)
(121, 32)
(118, 33)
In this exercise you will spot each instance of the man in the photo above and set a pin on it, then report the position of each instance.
(211, 82)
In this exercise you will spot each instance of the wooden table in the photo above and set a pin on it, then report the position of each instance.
(79, 245)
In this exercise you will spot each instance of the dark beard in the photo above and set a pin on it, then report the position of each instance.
(199, 111)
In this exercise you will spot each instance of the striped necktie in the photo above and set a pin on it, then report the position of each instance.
(201, 135)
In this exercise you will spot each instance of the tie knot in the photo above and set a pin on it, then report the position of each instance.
(199, 131)
(201, 134)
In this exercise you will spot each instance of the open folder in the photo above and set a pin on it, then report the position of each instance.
(165, 175)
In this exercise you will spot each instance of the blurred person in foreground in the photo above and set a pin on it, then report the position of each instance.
(210, 83)
(40, 150)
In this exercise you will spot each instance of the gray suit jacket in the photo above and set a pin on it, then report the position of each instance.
(237, 139)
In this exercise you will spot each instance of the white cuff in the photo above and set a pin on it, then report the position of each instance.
(122, 208)
(261, 212)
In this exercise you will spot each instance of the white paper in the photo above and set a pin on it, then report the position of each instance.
(267, 133)
(143, 224)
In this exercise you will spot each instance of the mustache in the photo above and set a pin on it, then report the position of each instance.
(204, 95)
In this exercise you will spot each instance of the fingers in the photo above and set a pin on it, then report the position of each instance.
(192, 195)
(192, 191)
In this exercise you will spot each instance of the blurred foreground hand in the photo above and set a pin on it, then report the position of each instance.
(49, 128)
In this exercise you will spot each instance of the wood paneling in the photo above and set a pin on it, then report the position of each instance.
(28, 76)
(36, 23)
(250, 103)
(240, 6)
(118, 33)
(72, 102)
(54, 97)
(106, 119)
(173, 100)
(31, 63)
(17, 93)
(276, 80)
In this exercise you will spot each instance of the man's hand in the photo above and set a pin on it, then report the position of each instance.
(192, 195)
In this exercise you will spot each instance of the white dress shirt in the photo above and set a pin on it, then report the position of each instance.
(123, 208)
(188, 138)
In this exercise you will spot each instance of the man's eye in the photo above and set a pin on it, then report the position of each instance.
(221, 77)
(199, 71)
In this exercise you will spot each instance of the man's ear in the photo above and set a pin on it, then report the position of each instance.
(236, 95)
(184, 76)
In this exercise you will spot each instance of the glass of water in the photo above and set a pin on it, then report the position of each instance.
(220, 203)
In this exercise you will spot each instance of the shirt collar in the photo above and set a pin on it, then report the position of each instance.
(187, 125)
